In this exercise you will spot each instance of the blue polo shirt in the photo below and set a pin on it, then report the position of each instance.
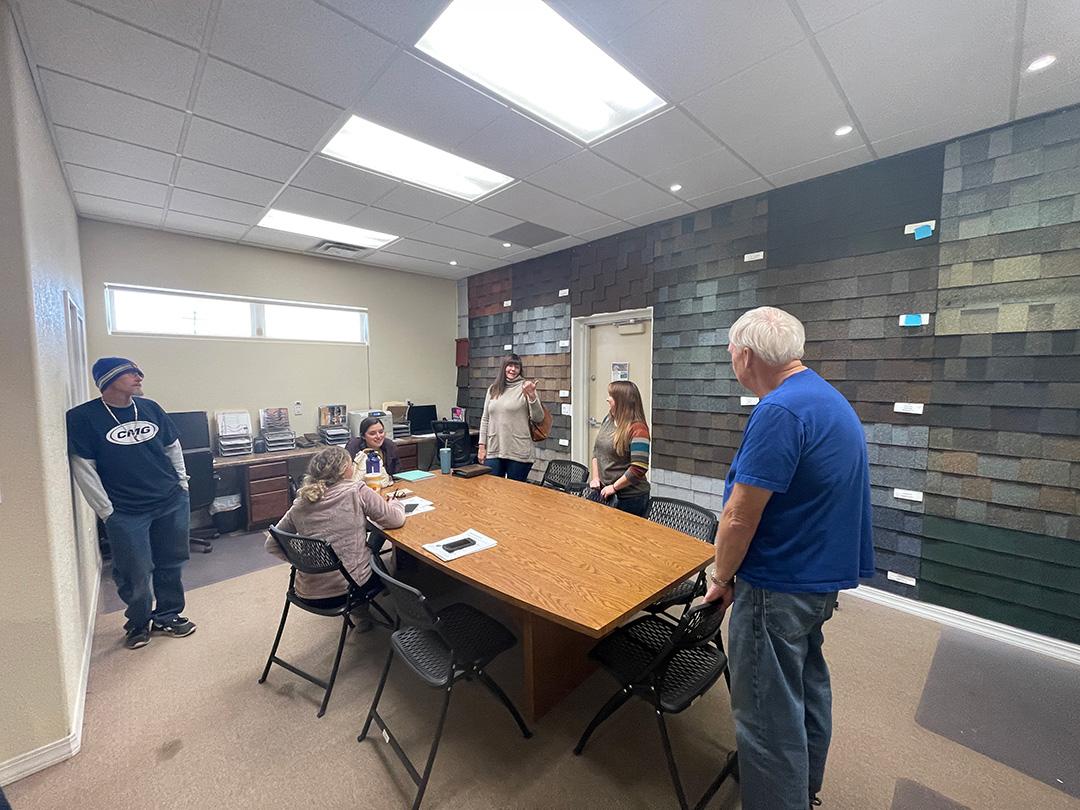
(805, 444)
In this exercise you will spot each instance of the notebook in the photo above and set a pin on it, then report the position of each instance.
(413, 475)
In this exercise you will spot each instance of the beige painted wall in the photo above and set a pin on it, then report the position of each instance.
(412, 325)
(48, 575)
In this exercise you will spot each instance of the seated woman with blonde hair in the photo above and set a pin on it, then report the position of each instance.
(331, 506)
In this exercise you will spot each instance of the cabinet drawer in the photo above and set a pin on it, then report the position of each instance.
(268, 506)
(268, 485)
(268, 470)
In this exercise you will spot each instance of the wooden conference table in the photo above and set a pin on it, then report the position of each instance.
(573, 570)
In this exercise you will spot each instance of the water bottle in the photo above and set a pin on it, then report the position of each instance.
(373, 464)
(444, 460)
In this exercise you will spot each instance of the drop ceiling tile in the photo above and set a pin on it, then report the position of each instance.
(440, 111)
(203, 226)
(182, 21)
(114, 156)
(605, 230)
(703, 175)
(402, 22)
(225, 183)
(435, 253)
(687, 46)
(820, 14)
(381, 258)
(300, 44)
(461, 240)
(102, 207)
(900, 72)
(312, 204)
(516, 146)
(1031, 102)
(281, 239)
(83, 43)
(647, 147)
(603, 21)
(795, 126)
(1051, 26)
(747, 189)
(376, 219)
(562, 244)
(822, 166)
(534, 204)
(479, 220)
(243, 100)
(418, 202)
(582, 175)
(634, 198)
(215, 143)
(205, 205)
(117, 186)
(936, 132)
(77, 104)
(340, 180)
(667, 212)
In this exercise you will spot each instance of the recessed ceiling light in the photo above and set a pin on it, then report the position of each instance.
(846, 129)
(507, 244)
(324, 229)
(1041, 63)
(370, 146)
(453, 263)
(676, 187)
(525, 52)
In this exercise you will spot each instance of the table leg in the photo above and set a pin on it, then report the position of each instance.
(555, 663)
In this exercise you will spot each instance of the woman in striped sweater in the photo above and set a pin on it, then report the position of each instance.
(621, 453)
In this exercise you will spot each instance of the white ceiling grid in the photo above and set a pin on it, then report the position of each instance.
(198, 116)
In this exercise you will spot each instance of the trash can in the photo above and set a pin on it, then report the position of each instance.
(226, 513)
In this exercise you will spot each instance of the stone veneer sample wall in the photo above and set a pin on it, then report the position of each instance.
(995, 455)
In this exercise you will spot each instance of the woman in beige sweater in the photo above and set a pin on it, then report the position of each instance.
(505, 443)
(333, 507)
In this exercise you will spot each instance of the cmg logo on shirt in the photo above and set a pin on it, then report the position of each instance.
(132, 432)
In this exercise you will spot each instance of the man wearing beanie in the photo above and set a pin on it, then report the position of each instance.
(127, 460)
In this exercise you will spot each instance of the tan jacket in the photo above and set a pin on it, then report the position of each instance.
(339, 519)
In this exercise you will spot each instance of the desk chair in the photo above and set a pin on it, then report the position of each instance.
(441, 648)
(668, 665)
(310, 555)
(454, 435)
(690, 519)
(564, 475)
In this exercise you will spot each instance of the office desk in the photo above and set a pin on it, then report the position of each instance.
(572, 569)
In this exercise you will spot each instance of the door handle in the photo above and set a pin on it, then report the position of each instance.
(594, 422)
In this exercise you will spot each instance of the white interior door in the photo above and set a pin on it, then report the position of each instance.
(619, 350)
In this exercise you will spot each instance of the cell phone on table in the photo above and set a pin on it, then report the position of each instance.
(409, 507)
(458, 545)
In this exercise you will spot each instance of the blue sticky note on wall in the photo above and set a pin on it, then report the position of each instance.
(923, 231)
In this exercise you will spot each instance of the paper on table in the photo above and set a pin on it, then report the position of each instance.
(482, 542)
(421, 505)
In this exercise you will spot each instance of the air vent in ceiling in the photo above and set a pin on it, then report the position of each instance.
(339, 249)
(529, 234)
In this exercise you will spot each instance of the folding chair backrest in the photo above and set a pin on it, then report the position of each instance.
(411, 604)
(563, 474)
(306, 554)
(683, 516)
(698, 626)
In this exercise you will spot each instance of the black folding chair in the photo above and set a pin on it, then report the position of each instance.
(310, 555)
(583, 490)
(669, 666)
(441, 648)
(690, 519)
(565, 475)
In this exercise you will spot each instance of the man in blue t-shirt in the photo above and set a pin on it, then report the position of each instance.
(796, 528)
(127, 460)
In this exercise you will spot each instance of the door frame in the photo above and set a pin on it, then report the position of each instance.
(579, 372)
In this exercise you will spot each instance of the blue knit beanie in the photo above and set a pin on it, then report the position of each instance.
(108, 369)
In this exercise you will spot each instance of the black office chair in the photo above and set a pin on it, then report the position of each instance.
(454, 435)
(441, 648)
(564, 475)
(669, 666)
(194, 433)
(310, 555)
(690, 519)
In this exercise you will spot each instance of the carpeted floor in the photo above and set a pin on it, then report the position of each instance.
(182, 723)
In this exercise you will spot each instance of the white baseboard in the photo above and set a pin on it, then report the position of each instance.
(68, 746)
(1044, 645)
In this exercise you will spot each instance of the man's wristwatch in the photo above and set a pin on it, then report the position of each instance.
(723, 583)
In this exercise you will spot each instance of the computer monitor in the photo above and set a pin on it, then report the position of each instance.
(193, 429)
(420, 418)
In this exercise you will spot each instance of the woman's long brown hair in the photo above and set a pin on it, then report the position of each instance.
(628, 410)
(498, 388)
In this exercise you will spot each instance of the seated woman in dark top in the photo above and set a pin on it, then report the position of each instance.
(373, 437)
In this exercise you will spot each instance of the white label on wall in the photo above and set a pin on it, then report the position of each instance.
(930, 223)
(908, 407)
(895, 577)
(748, 400)
(564, 393)
(564, 293)
(753, 257)
(564, 344)
(507, 302)
(566, 409)
(564, 442)
(508, 347)
(907, 495)
(915, 319)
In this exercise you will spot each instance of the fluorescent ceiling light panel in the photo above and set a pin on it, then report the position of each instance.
(364, 144)
(324, 229)
(528, 54)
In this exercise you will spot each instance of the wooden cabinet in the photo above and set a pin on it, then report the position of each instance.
(267, 493)
(407, 455)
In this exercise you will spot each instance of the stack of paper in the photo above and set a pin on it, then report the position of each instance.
(480, 542)
(233, 432)
(274, 423)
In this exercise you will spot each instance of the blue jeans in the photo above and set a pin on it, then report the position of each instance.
(508, 468)
(780, 695)
(150, 548)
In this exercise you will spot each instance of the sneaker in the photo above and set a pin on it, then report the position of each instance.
(814, 800)
(139, 637)
(178, 627)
